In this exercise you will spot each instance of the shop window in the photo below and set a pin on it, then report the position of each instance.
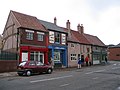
(57, 38)
(73, 57)
(56, 56)
(37, 56)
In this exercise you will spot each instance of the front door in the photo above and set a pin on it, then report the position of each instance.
(24, 56)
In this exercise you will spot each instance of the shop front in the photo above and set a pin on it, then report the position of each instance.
(32, 53)
(59, 55)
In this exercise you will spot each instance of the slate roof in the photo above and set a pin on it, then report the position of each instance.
(52, 26)
(27, 21)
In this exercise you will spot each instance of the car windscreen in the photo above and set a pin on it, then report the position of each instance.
(22, 64)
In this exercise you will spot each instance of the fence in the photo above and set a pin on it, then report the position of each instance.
(8, 56)
(8, 65)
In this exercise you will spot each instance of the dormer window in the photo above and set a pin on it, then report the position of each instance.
(29, 34)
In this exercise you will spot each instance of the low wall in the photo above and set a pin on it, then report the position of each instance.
(8, 65)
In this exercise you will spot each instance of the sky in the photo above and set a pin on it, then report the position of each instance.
(100, 18)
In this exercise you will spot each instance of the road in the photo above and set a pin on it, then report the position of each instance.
(106, 77)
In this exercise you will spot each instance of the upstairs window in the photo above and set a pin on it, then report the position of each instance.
(57, 38)
(40, 36)
(29, 35)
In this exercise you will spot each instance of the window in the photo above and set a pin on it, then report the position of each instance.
(40, 37)
(37, 56)
(57, 38)
(88, 50)
(51, 36)
(73, 57)
(56, 55)
(29, 36)
(72, 45)
(63, 37)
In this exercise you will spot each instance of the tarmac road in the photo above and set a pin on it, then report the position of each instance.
(97, 77)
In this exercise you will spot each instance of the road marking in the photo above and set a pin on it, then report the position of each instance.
(100, 70)
(115, 67)
(95, 71)
(64, 85)
(49, 79)
(118, 88)
(114, 64)
(89, 72)
(95, 78)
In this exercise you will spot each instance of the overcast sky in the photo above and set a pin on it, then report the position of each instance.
(99, 17)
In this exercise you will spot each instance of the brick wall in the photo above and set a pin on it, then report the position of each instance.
(114, 54)
(8, 65)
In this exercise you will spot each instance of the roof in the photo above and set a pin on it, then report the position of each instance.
(84, 38)
(72, 38)
(94, 40)
(80, 37)
(27, 21)
(52, 26)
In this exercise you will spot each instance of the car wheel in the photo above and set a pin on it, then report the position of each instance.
(49, 71)
(28, 73)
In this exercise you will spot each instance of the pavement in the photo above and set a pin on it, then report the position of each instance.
(12, 74)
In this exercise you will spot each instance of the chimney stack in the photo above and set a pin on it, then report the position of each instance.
(68, 27)
(80, 28)
(55, 21)
(68, 24)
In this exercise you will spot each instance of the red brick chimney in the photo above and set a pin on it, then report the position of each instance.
(68, 27)
(80, 28)
(55, 21)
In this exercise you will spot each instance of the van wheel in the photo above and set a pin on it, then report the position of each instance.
(49, 71)
(28, 73)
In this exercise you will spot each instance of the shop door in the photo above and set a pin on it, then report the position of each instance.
(24, 56)
(56, 56)
(41, 57)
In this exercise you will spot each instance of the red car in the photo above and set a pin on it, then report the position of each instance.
(31, 67)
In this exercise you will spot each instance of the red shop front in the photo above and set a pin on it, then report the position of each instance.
(32, 53)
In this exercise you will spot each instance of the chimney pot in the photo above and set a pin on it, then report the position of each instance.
(55, 21)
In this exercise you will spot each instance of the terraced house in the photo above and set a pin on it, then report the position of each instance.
(57, 43)
(84, 45)
(35, 39)
(24, 35)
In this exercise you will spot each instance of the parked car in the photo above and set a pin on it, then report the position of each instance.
(31, 67)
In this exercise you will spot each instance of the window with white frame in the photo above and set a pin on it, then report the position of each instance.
(73, 57)
(29, 34)
(40, 36)
(51, 36)
(63, 37)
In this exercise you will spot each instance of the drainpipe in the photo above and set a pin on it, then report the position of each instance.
(17, 46)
